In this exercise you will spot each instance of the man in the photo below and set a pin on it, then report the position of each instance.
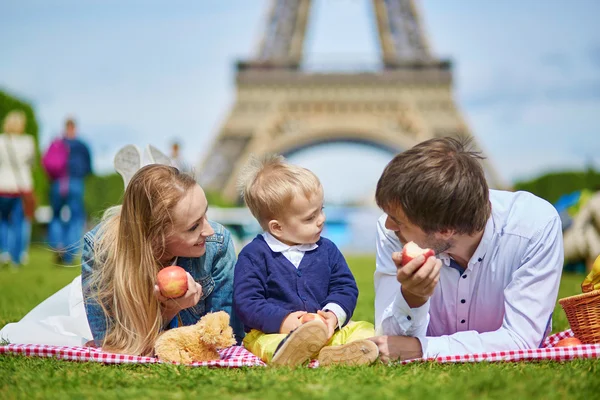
(64, 234)
(493, 283)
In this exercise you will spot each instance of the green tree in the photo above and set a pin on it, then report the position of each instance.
(553, 185)
(102, 192)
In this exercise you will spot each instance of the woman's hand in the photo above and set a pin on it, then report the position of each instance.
(291, 322)
(189, 299)
(330, 320)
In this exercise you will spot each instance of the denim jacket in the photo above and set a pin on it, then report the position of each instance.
(214, 271)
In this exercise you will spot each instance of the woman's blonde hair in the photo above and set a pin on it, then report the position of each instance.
(268, 185)
(129, 245)
(14, 122)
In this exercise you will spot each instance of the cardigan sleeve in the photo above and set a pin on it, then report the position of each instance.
(342, 286)
(249, 297)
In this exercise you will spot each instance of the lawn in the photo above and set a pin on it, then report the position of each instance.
(29, 377)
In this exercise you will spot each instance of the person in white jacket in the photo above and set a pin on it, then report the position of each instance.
(17, 152)
(493, 282)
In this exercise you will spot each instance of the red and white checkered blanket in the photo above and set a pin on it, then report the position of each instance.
(546, 352)
(232, 357)
(235, 357)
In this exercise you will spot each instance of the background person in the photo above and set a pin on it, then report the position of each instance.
(64, 234)
(17, 203)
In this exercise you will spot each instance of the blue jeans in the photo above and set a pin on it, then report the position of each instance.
(65, 235)
(11, 227)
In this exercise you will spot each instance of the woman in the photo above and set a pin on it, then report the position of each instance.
(17, 153)
(162, 222)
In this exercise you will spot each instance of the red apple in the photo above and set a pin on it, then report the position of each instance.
(310, 316)
(412, 250)
(172, 281)
(571, 341)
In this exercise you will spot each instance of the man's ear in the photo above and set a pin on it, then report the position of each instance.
(446, 234)
(275, 227)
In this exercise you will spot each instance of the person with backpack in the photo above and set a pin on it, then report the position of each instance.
(67, 162)
(17, 203)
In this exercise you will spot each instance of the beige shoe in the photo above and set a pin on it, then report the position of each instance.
(301, 344)
(360, 352)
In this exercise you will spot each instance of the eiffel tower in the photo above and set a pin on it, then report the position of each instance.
(281, 108)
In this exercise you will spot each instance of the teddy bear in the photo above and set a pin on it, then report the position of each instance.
(197, 342)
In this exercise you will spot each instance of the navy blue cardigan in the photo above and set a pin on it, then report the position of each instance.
(267, 287)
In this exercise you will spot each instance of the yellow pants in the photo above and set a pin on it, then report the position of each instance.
(264, 345)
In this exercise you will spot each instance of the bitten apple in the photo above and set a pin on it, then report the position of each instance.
(172, 281)
(310, 316)
(572, 341)
(412, 250)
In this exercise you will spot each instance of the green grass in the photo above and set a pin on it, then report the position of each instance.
(30, 377)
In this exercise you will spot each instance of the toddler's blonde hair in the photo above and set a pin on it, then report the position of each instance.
(268, 184)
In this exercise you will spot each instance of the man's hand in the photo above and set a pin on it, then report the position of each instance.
(397, 348)
(291, 322)
(330, 320)
(418, 278)
(189, 299)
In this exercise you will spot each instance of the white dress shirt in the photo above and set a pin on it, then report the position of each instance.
(503, 300)
(294, 254)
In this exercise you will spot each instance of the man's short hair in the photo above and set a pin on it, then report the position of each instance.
(439, 184)
(268, 185)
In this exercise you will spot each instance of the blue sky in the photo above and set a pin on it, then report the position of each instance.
(527, 74)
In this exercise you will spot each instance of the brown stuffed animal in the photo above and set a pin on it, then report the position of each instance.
(197, 342)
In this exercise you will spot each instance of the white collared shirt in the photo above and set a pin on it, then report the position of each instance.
(503, 300)
(295, 254)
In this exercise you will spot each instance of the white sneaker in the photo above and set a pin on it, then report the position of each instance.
(155, 156)
(127, 162)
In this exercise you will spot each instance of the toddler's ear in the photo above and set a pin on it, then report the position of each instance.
(275, 227)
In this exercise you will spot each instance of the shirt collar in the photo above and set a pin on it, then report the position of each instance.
(279, 247)
(482, 248)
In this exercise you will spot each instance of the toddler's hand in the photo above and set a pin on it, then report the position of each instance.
(291, 322)
(330, 320)
(189, 299)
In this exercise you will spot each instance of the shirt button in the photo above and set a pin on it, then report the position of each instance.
(465, 276)
(299, 273)
(463, 301)
(462, 321)
(408, 317)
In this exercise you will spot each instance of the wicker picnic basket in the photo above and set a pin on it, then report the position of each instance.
(583, 313)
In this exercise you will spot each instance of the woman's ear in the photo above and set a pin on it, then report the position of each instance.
(275, 227)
